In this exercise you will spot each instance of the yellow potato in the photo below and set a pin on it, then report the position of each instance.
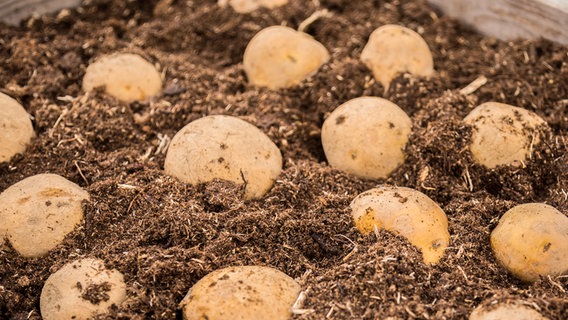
(37, 212)
(505, 311)
(503, 134)
(246, 6)
(241, 293)
(280, 57)
(227, 148)
(125, 76)
(366, 137)
(16, 130)
(531, 240)
(80, 290)
(394, 49)
(407, 212)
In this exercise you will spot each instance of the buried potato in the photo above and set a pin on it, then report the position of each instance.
(16, 130)
(505, 311)
(246, 6)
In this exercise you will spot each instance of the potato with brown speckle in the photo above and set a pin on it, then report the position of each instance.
(505, 311)
(16, 130)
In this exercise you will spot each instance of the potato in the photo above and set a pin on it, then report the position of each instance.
(226, 148)
(366, 137)
(531, 240)
(280, 57)
(246, 6)
(503, 134)
(80, 290)
(125, 76)
(16, 130)
(394, 49)
(39, 211)
(407, 212)
(505, 311)
(241, 293)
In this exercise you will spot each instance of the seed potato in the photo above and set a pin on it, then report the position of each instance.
(531, 240)
(393, 49)
(504, 311)
(226, 148)
(247, 6)
(16, 130)
(503, 134)
(366, 137)
(80, 290)
(241, 293)
(281, 57)
(125, 76)
(407, 212)
(37, 212)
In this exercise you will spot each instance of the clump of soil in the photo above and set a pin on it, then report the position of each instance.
(165, 235)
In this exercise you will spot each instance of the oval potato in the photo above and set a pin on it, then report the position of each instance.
(407, 212)
(16, 130)
(241, 293)
(247, 6)
(504, 311)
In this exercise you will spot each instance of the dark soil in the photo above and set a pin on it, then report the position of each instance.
(164, 235)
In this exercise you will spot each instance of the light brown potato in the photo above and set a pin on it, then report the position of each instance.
(125, 76)
(407, 212)
(80, 290)
(281, 57)
(246, 6)
(394, 49)
(366, 137)
(16, 130)
(503, 134)
(531, 240)
(226, 148)
(39, 211)
(241, 293)
(505, 311)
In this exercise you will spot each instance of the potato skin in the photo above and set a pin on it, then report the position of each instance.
(407, 212)
(531, 240)
(505, 311)
(16, 130)
(227, 148)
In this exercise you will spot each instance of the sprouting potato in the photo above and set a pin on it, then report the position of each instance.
(366, 137)
(503, 134)
(505, 311)
(80, 290)
(247, 292)
(226, 148)
(125, 76)
(16, 130)
(531, 240)
(393, 49)
(407, 212)
(37, 212)
(280, 57)
(246, 6)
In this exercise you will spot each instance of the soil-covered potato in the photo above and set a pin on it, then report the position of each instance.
(241, 293)
(394, 49)
(125, 76)
(531, 240)
(16, 128)
(246, 6)
(505, 311)
(80, 290)
(503, 134)
(280, 57)
(226, 148)
(366, 137)
(37, 212)
(407, 212)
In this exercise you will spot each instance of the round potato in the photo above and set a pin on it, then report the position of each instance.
(505, 311)
(241, 293)
(280, 57)
(503, 134)
(394, 49)
(246, 6)
(39, 211)
(80, 290)
(226, 148)
(407, 212)
(16, 130)
(366, 137)
(531, 240)
(125, 76)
